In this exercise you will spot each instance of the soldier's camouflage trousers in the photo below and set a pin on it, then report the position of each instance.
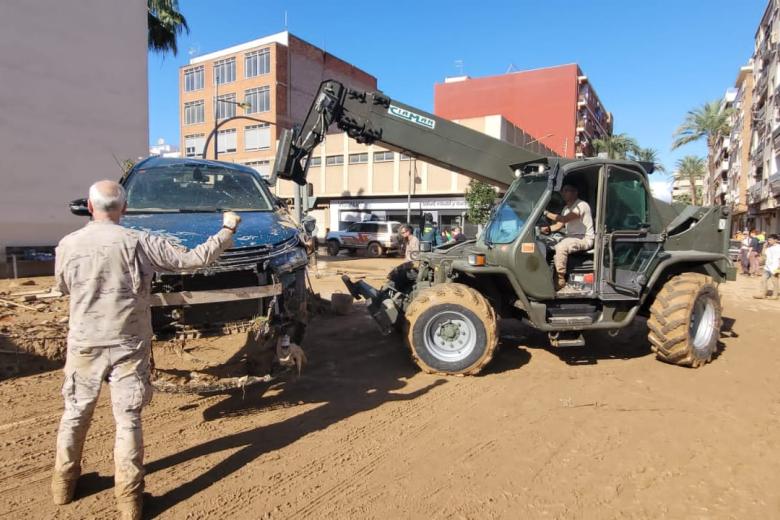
(127, 370)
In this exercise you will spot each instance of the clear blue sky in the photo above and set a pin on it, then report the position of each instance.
(649, 61)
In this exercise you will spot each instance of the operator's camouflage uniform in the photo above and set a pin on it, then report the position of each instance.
(107, 269)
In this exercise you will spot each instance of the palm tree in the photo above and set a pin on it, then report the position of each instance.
(617, 146)
(692, 169)
(648, 155)
(165, 24)
(708, 120)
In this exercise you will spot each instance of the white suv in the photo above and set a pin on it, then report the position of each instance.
(377, 238)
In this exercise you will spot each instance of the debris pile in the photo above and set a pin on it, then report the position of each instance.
(33, 322)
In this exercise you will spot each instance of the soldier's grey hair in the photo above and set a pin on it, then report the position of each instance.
(107, 196)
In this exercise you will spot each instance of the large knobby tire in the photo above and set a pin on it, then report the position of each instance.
(685, 320)
(374, 250)
(333, 247)
(451, 329)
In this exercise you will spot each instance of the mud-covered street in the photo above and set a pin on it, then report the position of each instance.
(604, 431)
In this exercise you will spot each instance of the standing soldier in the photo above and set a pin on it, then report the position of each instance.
(107, 270)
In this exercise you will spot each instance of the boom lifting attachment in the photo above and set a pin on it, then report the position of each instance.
(372, 117)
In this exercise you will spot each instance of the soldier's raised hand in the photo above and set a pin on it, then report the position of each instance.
(230, 220)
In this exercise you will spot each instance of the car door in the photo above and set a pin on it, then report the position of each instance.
(349, 238)
(368, 233)
(631, 237)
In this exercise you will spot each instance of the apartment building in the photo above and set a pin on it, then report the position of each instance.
(763, 184)
(715, 183)
(739, 149)
(354, 182)
(556, 105)
(681, 188)
(252, 90)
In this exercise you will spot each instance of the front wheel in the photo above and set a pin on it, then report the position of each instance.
(374, 250)
(451, 329)
(333, 247)
(685, 319)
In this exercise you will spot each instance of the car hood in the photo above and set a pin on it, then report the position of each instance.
(257, 228)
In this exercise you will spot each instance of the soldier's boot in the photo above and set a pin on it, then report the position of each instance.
(130, 508)
(62, 489)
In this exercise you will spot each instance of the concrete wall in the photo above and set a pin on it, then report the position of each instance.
(73, 100)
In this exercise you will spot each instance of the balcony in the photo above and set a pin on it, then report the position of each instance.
(754, 193)
(774, 185)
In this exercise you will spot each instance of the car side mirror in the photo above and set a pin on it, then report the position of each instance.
(79, 207)
(425, 247)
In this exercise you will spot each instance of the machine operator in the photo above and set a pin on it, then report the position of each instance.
(577, 219)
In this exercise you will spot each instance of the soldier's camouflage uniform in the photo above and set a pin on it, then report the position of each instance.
(107, 270)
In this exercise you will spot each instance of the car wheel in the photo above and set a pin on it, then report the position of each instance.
(333, 247)
(374, 250)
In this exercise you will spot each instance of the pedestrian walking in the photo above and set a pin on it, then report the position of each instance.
(107, 270)
(771, 272)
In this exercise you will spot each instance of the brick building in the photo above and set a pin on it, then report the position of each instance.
(556, 105)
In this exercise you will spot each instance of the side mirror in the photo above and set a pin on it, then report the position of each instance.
(79, 207)
(425, 247)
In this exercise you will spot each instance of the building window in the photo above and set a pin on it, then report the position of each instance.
(193, 145)
(224, 71)
(193, 112)
(261, 167)
(257, 62)
(334, 160)
(315, 161)
(259, 99)
(383, 156)
(358, 158)
(193, 79)
(257, 137)
(226, 141)
(225, 106)
(405, 157)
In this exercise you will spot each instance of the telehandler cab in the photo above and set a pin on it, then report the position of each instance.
(650, 258)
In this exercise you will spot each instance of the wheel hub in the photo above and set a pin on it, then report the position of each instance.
(450, 336)
(703, 323)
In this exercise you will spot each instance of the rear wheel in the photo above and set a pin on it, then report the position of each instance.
(333, 247)
(451, 329)
(685, 319)
(374, 250)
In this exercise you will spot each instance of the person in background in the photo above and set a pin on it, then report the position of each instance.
(754, 254)
(429, 232)
(771, 272)
(411, 242)
(457, 234)
(744, 253)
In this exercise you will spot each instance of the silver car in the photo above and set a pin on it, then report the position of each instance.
(376, 238)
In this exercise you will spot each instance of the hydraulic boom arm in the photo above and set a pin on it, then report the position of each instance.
(372, 117)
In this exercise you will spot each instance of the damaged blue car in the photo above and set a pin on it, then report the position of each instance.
(260, 283)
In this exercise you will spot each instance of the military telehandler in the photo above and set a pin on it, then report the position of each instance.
(650, 258)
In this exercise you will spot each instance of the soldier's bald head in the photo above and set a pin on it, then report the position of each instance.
(107, 196)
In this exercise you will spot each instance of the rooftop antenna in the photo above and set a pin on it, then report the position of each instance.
(285, 19)
(511, 68)
(459, 66)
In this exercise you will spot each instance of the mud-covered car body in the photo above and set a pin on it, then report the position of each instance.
(262, 277)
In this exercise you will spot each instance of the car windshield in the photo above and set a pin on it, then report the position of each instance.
(510, 216)
(196, 188)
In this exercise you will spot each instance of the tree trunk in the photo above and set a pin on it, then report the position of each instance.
(692, 181)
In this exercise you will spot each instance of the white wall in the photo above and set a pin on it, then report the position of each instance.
(73, 95)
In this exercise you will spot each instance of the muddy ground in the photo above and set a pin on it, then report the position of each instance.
(604, 431)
